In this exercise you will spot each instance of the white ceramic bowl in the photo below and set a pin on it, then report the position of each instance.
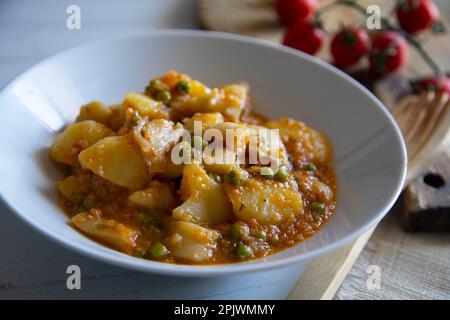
(370, 156)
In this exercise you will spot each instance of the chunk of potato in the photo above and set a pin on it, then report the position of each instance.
(146, 106)
(74, 139)
(267, 201)
(266, 148)
(191, 242)
(303, 142)
(95, 111)
(109, 231)
(220, 163)
(235, 136)
(117, 117)
(117, 159)
(207, 120)
(157, 195)
(314, 188)
(156, 139)
(75, 187)
(234, 101)
(206, 201)
(172, 77)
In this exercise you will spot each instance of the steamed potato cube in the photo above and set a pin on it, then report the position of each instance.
(191, 242)
(75, 188)
(205, 199)
(109, 231)
(117, 159)
(267, 201)
(303, 142)
(95, 111)
(74, 139)
(156, 139)
(157, 195)
(146, 106)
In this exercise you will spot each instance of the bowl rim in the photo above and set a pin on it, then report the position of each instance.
(130, 262)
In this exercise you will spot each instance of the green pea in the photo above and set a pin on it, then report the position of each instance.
(88, 202)
(239, 231)
(144, 217)
(184, 86)
(157, 251)
(319, 207)
(153, 86)
(310, 167)
(243, 251)
(261, 234)
(163, 96)
(155, 83)
(234, 177)
(282, 174)
(150, 221)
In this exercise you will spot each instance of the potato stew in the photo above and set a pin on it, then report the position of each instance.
(154, 177)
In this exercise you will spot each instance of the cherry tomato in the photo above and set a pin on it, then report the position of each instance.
(439, 85)
(416, 15)
(290, 11)
(389, 53)
(349, 45)
(304, 35)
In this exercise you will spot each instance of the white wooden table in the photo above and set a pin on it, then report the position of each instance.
(33, 267)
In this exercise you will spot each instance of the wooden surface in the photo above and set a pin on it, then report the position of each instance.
(411, 265)
(427, 198)
(322, 278)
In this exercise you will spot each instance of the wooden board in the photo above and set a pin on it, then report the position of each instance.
(427, 198)
(323, 277)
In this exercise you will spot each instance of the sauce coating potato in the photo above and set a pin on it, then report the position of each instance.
(110, 231)
(95, 111)
(246, 187)
(206, 201)
(267, 201)
(75, 138)
(117, 159)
